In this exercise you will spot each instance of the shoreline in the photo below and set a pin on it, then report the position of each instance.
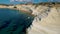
(12, 7)
(26, 8)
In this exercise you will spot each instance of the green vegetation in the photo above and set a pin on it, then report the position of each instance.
(15, 7)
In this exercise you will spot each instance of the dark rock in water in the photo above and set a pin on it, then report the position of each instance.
(14, 21)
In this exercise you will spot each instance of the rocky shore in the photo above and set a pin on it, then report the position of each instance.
(30, 8)
(17, 7)
(47, 20)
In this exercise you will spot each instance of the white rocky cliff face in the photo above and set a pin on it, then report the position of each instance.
(47, 20)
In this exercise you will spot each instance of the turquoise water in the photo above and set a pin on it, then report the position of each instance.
(14, 21)
(18, 2)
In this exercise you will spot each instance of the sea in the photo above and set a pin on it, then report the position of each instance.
(14, 21)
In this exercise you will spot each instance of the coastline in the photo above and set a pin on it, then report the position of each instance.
(48, 23)
(26, 7)
(12, 7)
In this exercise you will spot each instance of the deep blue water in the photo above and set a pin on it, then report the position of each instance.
(14, 21)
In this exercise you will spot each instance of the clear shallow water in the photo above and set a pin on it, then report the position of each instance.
(14, 21)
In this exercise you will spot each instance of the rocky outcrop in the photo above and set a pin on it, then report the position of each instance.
(47, 20)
